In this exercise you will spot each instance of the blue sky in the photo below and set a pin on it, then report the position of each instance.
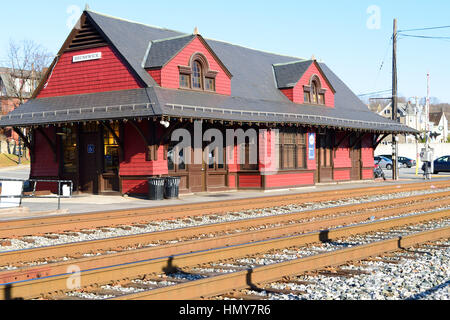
(336, 32)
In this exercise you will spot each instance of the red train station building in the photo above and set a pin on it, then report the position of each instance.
(104, 114)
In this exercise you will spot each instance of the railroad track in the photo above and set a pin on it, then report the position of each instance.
(209, 284)
(99, 276)
(105, 252)
(416, 272)
(75, 222)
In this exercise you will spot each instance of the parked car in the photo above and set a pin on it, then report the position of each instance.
(442, 164)
(403, 161)
(383, 162)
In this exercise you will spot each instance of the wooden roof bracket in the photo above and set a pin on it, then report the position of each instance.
(49, 142)
(358, 140)
(150, 148)
(337, 145)
(118, 140)
(378, 141)
(25, 140)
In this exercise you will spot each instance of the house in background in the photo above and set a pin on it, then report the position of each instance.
(408, 113)
(10, 85)
(439, 124)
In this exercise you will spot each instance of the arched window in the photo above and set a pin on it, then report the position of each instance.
(314, 93)
(314, 90)
(197, 75)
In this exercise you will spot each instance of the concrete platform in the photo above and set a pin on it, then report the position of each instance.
(86, 203)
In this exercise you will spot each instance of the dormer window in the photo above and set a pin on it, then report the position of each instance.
(197, 75)
(314, 98)
(185, 81)
(314, 93)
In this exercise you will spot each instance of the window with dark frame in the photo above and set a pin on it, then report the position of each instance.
(307, 97)
(69, 146)
(171, 163)
(245, 149)
(111, 149)
(292, 148)
(210, 84)
(314, 93)
(213, 163)
(321, 98)
(326, 150)
(185, 81)
(197, 75)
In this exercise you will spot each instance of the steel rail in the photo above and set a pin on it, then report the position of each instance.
(37, 226)
(221, 284)
(57, 284)
(13, 257)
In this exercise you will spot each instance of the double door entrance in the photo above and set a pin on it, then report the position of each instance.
(96, 162)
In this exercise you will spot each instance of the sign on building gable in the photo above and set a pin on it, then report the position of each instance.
(87, 57)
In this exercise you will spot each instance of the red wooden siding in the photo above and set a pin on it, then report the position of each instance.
(289, 93)
(134, 186)
(170, 74)
(367, 152)
(340, 175)
(134, 163)
(156, 75)
(43, 164)
(232, 163)
(106, 74)
(231, 181)
(289, 180)
(367, 174)
(250, 181)
(298, 95)
(342, 157)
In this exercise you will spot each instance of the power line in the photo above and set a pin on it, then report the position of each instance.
(422, 29)
(382, 62)
(424, 37)
(374, 93)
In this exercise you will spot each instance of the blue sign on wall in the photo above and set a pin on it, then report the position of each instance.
(311, 146)
(91, 148)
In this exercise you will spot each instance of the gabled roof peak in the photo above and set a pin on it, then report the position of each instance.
(131, 21)
(290, 63)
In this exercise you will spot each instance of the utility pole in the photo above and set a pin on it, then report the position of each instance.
(394, 102)
(417, 141)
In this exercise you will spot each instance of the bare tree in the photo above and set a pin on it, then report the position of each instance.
(26, 64)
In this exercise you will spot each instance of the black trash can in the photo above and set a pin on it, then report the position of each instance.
(155, 188)
(172, 187)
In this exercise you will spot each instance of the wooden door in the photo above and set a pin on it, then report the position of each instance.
(355, 157)
(324, 157)
(90, 153)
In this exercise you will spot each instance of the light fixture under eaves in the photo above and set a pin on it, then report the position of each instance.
(164, 123)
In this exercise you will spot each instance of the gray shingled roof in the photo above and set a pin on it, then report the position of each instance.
(253, 88)
(161, 51)
(288, 74)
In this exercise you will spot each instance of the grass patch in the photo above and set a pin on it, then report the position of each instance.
(10, 160)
